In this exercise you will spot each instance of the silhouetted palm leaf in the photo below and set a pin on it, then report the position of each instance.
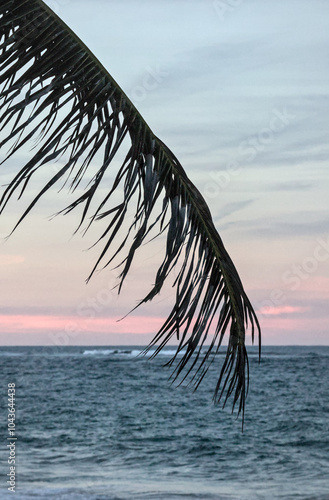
(53, 88)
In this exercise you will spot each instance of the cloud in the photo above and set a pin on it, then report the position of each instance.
(282, 310)
(279, 228)
(291, 185)
(9, 260)
(231, 208)
(284, 225)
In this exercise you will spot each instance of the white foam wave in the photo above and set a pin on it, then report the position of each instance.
(127, 352)
(98, 352)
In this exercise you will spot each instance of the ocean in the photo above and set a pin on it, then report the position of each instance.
(101, 423)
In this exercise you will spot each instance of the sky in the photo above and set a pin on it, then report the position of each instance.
(238, 89)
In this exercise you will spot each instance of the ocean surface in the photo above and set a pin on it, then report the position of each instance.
(101, 423)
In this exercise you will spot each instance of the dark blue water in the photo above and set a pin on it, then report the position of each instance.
(103, 424)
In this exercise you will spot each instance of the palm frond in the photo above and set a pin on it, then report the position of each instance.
(54, 89)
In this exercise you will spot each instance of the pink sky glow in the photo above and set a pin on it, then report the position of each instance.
(281, 325)
(74, 330)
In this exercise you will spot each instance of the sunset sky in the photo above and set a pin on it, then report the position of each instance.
(239, 92)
